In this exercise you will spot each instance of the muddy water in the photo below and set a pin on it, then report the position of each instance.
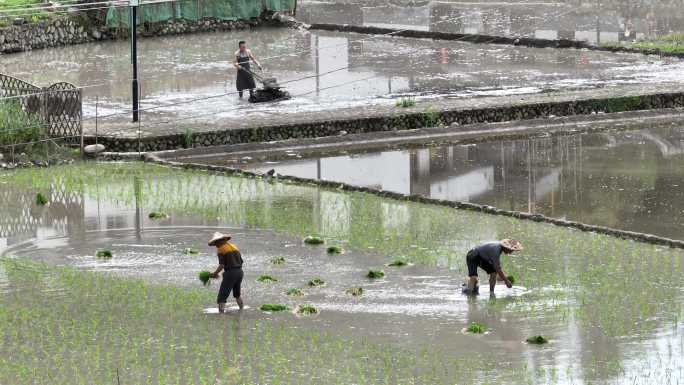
(323, 70)
(570, 284)
(595, 22)
(626, 180)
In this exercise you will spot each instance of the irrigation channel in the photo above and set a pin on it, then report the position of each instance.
(406, 327)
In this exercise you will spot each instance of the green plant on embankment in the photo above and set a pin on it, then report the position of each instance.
(431, 117)
(406, 102)
(18, 126)
(187, 138)
(617, 104)
(672, 43)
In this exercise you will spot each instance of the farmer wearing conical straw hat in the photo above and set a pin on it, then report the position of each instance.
(230, 261)
(487, 257)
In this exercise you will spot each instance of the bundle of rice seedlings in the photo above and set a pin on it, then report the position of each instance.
(190, 251)
(41, 200)
(306, 310)
(476, 328)
(266, 279)
(204, 276)
(294, 292)
(313, 240)
(511, 279)
(277, 260)
(334, 250)
(355, 291)
(157, 215)
(537, 340)
(316, 282)
(273, 307)
(375, 274)
(399, 262)
(103, 254)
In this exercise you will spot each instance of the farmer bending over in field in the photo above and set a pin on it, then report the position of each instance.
(487, 257)
(230, 261)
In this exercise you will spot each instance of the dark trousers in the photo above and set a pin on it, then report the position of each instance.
(232, 279)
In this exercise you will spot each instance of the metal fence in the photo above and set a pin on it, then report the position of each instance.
(58, 107)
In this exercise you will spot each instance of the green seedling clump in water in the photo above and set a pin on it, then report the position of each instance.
(511, 279)
(316, 282)
(294, 292)
(537, 340)
(355, 291)
(266, 279)
(157, 215)
(190, 251)
(41, 200)
(306, 310)
(313, 240)
(334, 250)
(375, 274)
(103, 254)
(204, 276)
(273, 307)
(277, 260)
(476, 328)
(398, 263)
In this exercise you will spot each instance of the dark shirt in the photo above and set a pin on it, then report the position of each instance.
(490, 252)
(229, 256)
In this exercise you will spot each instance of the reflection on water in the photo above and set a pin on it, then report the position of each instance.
(629, 180)
(592, 21)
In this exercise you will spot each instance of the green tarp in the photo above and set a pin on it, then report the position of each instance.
(194, 10)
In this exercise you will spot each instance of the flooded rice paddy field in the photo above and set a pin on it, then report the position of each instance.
(630, 180)
(182, 82)
(595, 22)
(142, 312)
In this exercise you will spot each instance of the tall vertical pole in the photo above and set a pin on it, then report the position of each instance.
(134, 58)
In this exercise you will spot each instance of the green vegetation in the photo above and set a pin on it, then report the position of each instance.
(537, 340)
(398, 262)
(306, 310)
(406, 102)
(278, 260)
(355, 291)
(106, 254)
(273, 307)
(511, 279)
(334, 250)
(191, 251)
(373, 274)
(18, 126)
(187, 138)
(266, 279)
(155, 215)
(316, 282)
(313, 240)
(41, 200)
(294, 292)
(672, 43)
(431, 117)
(476, 328)
(205, 277)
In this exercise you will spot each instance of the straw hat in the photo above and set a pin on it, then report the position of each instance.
(218, 237)
(511, 244)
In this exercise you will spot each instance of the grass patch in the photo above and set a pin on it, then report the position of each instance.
(187, 138)
(294, 292)
(205, 277)
(537, 340)
(278, 260)
(41, 200)
(273, 307)
(334, 250)
(354, 291)
(406, 102)
(313, 240)
(672, 43)
(374, 274)
(266, 279)
(399, 262)
(191, 251)
(431, 117)
(106, 254)
(316, 282)
(306, 310)
(155, 215)
(476, 328)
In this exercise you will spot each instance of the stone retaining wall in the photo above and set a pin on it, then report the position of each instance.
(489, 39)
(641, 237)
(77, 30)
(394, 121)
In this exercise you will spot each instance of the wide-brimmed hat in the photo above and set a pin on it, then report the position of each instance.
(511, 244)
(218, 237)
